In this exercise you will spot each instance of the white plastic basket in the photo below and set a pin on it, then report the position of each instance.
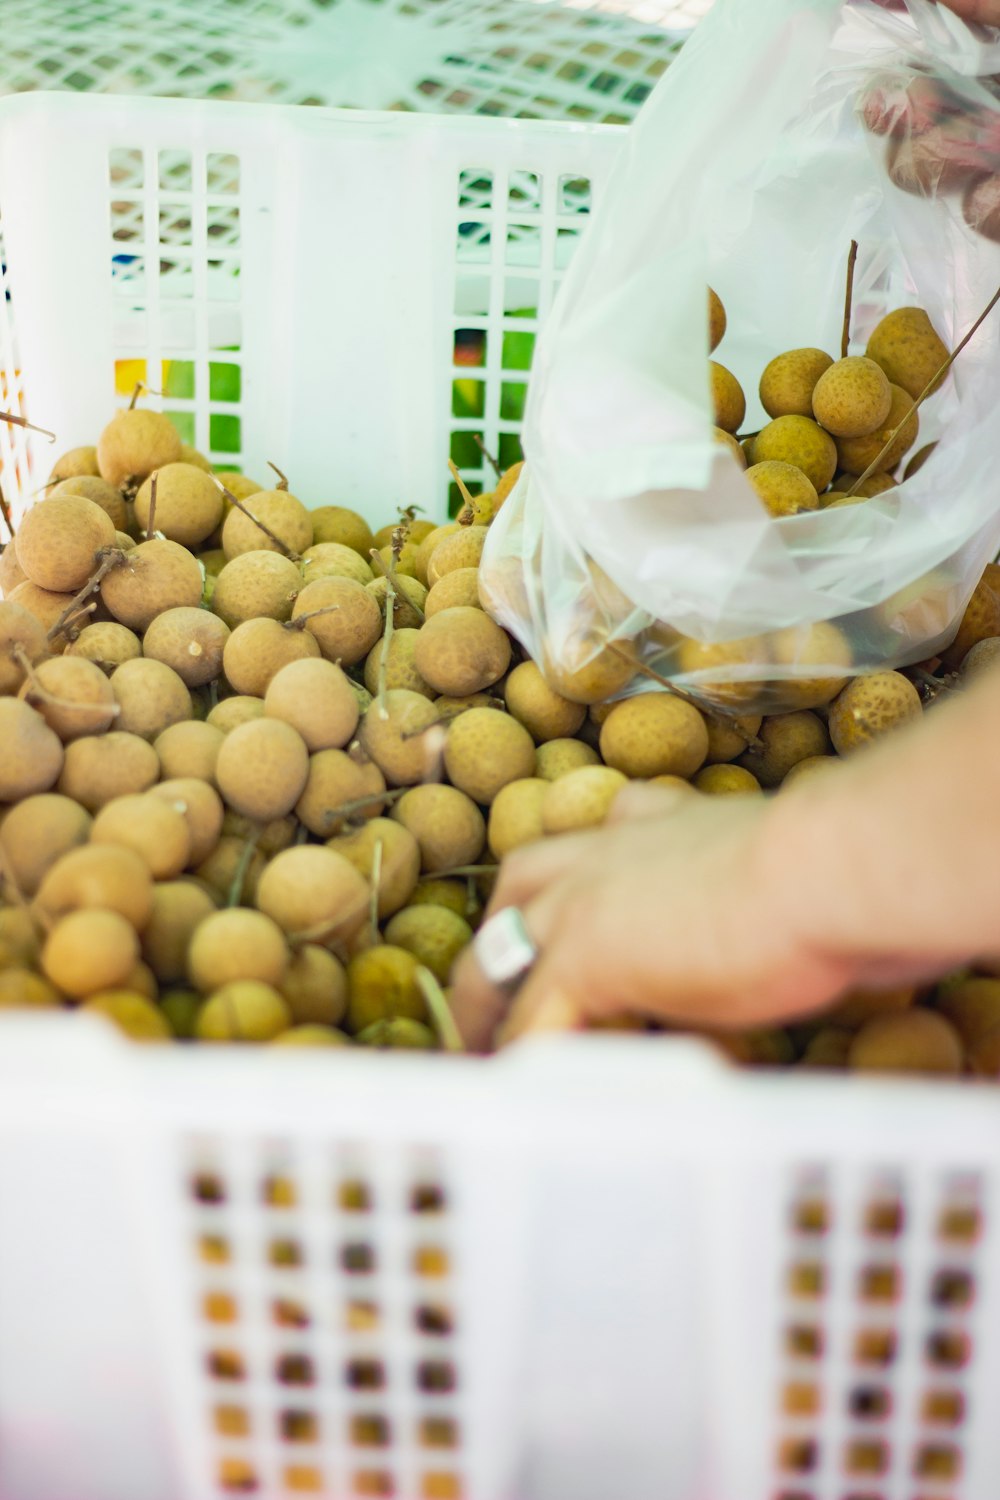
(627, 1271)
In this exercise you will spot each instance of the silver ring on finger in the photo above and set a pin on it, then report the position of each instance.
(504, 949)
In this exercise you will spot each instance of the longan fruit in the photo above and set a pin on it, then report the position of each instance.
(449, 708)
(19, 943)
(314, 697)
(99, 767)
(314, 892)
(48, 609)
(785, 739)
(429, 544)
(90, 950)
(726, 440)
(352, 622)
(336, 523)
(654, 734)
(788, 382)
(433, 934)
(132, 1014)
(150, 697)
(783, 488)
(820, 644)
(332, 560)
(201, 805)
(213, 561)
(98, 492)
(910, 1041)
(72, 695)
(262, 769)
(315, 988)
(725, 781)
(11, 572)
(270, 838)
(280, 511)
(463, 549)
(557, 758)
(18, 628)
(590, 669)
(157, 832)
(75, 463)
(141, 980)
(336, 778)
(21, 988)
(516, 815)
(189, 748)
(231, 862)
(696, 658)
(972, 1006)
(905, 345)
(543, 712)
(179, 1008)
(57, 540)
(484, 750)
(461, 651)
(179, 906)
(107, 644)
(861, 1006)
(382, 985)
(133, 444)
(980, 622)
(236, 944)
(398, 1034)
(400, 860)
(255, 584)
(192, 456)
(716, 321)
(984, 1056)
(852, 398)
(408, 611)
(980, 658)
(460, 588)
(918, 460)
(258, 649)
(394, 742)
(858, 454)
(240, 485)
(728, 400)
(869, 707)
(188, 504)
(729, 737)
(580, 799)
(230, 713)
(801, 442)
(312, 1036)
(446, 824)
(155, 576)
(401, 670)
(808, 767)
(829, 1048)
(31, 754)
(458, 895)
(416, 531)
(243, 1011)
(190, 642)
(875, 484)
(37, 832)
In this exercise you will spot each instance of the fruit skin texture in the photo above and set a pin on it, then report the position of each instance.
(97, 876)
(262, 769)
(785, 739)
(857, 454)
(980, 622)
(315, 698)
(654, 734)
(908, 349)
(32, 753)
(382, 985)
(178, 908)
(447, 825)
(244, 1011)
(800, 442)
(315, 891)
(852, 398)
(188, 504)
(869, 707)
(38, 831)
(461, 651)
(728, 400)
(57, 539)
(716, 321)
(353, 625)
(315, 987)
(516, 815)
(150, 697)
(134, 1015)
(134, 443)
(157, 832)
(258, 649)
(784, 489)
(545, 714)
(400, 860)
(280, 511)
(190, 642)
(558, 757)
(87, 703)
(156, 576)
(726, 781)
(911, 1041)
(334, 778)
(236, 944)
(433, 934)
(484, 750)
(581, 799)
(254, 584)
(88, 951)
(788, 382)
(402, 754)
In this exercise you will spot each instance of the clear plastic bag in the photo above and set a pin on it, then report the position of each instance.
(765, 150)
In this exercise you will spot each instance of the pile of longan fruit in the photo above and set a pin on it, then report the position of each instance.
(258, 764)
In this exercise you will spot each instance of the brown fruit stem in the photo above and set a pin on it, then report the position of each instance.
(934, 686)
(40, 692)
(300, 622)
(73, 625)
(466, 515)
(494, 465)
(686, 696)
(444, 1022)
(393, 582)
(282, 546)
(150, 524)
(845, 337)
(358, 804)
(383, 665)
(928, 388)
(135, 394)
(376, 880)
(5, 513)
(110, 557)
(240, 873)
(15, 421)
(282, 483)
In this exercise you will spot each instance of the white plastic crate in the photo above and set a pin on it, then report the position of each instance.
(605, 1267)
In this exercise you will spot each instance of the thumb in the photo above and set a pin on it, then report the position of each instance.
(647, 799)
(545, 1002)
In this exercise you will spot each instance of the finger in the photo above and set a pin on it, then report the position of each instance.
(644, 799)
(478, 1005)
(985, 12)
(527, 872)
(546, 1007)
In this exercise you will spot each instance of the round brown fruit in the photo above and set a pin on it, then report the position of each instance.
(581, 799)
(337, 779)
(382, 986)
(392, 737)
(236, 944)
(800, 442)
(350, 624)
(243, 1011)
(333, 560)
(57, 542)
(156, 576)
(190, 642)
(255, 584)
(133, 444)
(179, 907)
(484, 750)
(910, 1041)
(408, 611)
(315, 698)
(516, 815)
(231, 871)
(858, 454)
(544, 713)
(150, 697)
(32, 754)
(98, 492)
(557, 758)
(157, 832)
(433, 934)
(401, 669)
(980, 622)
(258, 649)
(870, 707)
(20, 629)
(788, 382)
(99, 767)
(262, 769)
(783, 489)
(654, 734)
(784, 740)
(314, 893)
(87, 951)
(315, 988)
(852, 398)
(230, 713)
(728, 400)
(283, 515)
(462, 549)
(461, 651)
(36, 833)
(460, 588)
(399, 860)
(447, 825)
(74, 463)
(726, 781)
(107, 644)
(188, 504)
(335, 523)
(716, 321)
(190, 748)
(72, 695)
